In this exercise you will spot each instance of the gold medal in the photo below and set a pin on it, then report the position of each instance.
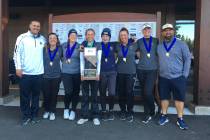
(124, 59)
(148, 55)
(51, 63)
(167, 54)
(106, 60)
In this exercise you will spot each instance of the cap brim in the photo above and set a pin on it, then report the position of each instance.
(168, 28)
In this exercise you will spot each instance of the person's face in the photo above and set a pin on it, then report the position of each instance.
(105, 38)
(123, 36)
(168, 33)
(146, 32)
(34, 27)
(73, 37)
(53, 40)
(90, 36)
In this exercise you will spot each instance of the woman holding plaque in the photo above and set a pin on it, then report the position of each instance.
(52, 72)
(90, 65)
(71, 74)
(126, 69)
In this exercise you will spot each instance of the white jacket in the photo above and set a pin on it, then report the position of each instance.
(28, 53)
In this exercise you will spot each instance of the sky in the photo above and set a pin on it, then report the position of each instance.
(187, 30)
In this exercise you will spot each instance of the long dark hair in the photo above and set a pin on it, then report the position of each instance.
(48, 44)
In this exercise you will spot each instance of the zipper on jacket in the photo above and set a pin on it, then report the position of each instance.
(35, 41)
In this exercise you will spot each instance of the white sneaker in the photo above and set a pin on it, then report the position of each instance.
(72, 116)
(46, 115)
(96, 121)
(52, 116)
(82, 121)
(66, 114)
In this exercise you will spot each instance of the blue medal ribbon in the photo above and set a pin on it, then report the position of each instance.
(106, 50)
(70, 50)
(170, 46)
(52, 55)
(148, 48)
(124, 50)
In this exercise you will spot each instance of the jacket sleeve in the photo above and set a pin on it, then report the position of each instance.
(18, 52)
(99, 54)
(82, 63)
(187, 60)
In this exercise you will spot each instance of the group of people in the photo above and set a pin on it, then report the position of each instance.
(43, 63)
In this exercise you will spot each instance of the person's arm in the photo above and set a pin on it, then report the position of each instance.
(17, 55)
(116, 53)
(187, 60)
(98, 69)
(61, 53)
(82, 65)
(137, 48)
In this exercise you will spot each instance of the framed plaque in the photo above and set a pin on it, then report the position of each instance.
(89, 74)
(90, 55)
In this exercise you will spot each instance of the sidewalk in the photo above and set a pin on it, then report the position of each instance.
(60, 129)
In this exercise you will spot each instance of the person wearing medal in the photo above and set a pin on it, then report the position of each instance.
(108, 75)
(126, 70)
(52, 55)
(90, 84)
(147, 70)
(71, 74)
(28, 58)
(174, 66)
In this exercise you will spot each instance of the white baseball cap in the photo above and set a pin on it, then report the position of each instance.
(167, 25)
(146, 25)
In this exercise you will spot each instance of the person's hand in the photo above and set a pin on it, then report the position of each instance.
(97, 77)
(82, 78)
(138, 54)
(81, 48)
(19, 73)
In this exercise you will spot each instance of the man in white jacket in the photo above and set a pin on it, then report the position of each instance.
(28, 58)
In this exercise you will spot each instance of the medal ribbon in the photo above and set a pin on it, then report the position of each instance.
(70, 50)
(148, 48)
(124, 51)
(106, 50)
(170, 46)
(52, 55)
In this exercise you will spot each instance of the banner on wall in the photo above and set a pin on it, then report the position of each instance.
(61, 29)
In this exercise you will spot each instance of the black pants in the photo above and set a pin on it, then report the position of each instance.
(30, 88)
(107, 81)
(92, 86)
(71, 84)
(147, 80)
(125, 91)
(51, 89)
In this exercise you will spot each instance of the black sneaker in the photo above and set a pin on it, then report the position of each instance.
(129, 118)
(147, 119)
(104, 116)
(111, 116)
(25, 122)
(122, 116)
(35, 120)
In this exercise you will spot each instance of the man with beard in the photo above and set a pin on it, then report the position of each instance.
(174, 65)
